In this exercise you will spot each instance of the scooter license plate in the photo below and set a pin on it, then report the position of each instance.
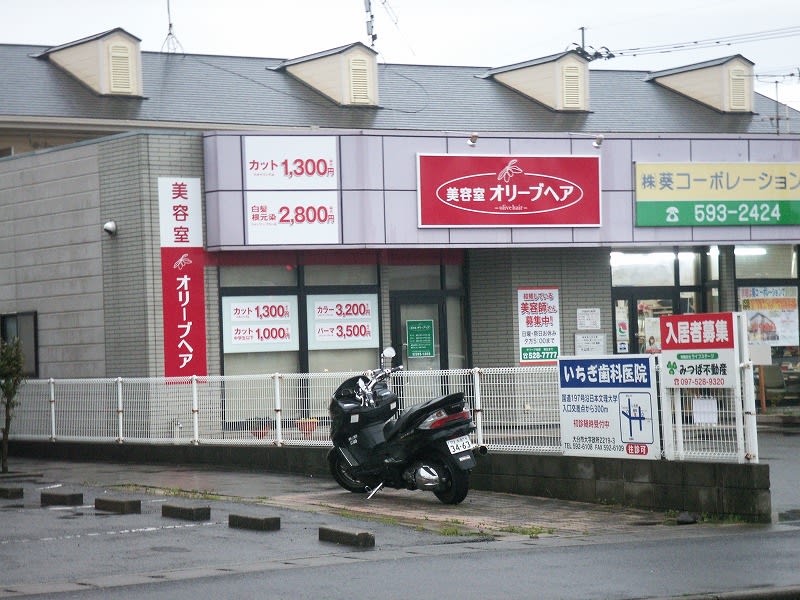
(459, 444)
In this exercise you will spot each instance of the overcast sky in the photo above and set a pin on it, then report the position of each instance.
(488, 33)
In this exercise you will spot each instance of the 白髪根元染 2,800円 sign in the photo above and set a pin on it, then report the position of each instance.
(717, 194)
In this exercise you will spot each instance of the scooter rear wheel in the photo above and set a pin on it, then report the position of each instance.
(343, 475)
(455, 482)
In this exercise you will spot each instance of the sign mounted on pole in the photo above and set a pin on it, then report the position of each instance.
(609, 407)
(698, 350)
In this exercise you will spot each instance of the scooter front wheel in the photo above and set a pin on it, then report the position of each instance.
(455, 482)
(342, 473)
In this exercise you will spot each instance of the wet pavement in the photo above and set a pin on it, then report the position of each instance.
(496, 514)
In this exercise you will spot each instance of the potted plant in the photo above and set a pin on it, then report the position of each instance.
(307, 426)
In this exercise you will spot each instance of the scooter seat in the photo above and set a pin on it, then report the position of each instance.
(411, 417)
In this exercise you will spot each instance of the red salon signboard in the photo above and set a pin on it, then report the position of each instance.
(182, 277)
(508, 191)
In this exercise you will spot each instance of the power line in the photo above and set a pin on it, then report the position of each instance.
(773, 34)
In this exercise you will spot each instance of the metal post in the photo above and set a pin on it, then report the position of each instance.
(667, 411)
(195, 412)
(278, 425)
(119, 410)
(52, 387)
(476, 384)
(748, 392)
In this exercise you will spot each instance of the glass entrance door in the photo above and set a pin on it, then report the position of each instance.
(420, 337)
(636, 320)
(428, 330)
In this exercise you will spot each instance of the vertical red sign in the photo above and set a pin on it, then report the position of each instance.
(182, 276)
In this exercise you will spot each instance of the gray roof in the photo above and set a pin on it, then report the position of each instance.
(531, 63)
(701, 65)
(324, 53)
(197, 90)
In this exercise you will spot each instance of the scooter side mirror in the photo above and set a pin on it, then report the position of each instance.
(387, 354)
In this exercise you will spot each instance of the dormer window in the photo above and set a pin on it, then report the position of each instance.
(738, 89)
(359, 81)
(560, 82)
(348, 75)
(120, 69)
(571, 86)
(725, 84)
(109, 63)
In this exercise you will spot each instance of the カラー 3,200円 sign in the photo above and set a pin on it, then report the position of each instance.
(508, 191)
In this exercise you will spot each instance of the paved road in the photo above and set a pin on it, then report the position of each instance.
(492, 545)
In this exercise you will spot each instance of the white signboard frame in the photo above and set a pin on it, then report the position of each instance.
(291, 162)
(260, 324)
(292, 218)
(342, 321)
(609, 407)
(539, 325)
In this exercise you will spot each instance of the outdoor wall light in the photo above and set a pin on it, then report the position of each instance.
(472, 139)
(598, 138)
(110, 227)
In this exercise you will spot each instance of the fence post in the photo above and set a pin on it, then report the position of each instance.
(278, 424)
(667, 411)
(748, 392)
(195, 412)
(52, 386)
(476, 384)
(119, 410)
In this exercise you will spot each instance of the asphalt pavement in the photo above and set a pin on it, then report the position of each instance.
(482, 516)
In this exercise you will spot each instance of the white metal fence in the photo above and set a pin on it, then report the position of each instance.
(515, 410)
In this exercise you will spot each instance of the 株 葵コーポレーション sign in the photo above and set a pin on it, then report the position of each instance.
(508, 191)
(717, 194)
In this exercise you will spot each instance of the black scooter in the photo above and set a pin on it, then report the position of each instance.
(426, 448)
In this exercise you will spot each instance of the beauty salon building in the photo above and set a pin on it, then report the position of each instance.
(291, 248)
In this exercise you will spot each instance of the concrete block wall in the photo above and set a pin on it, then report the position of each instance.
(50, 255)
(707, 488)
(130, 166)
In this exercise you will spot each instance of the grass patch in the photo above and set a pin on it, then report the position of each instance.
(532, 531)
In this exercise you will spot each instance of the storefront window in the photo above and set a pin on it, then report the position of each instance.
(765, 262)
(689, 268)
(640, 269)
(454, 276)
(257, 276)
(417, 277)
(767, 293)
(340, 275)
(712, 263)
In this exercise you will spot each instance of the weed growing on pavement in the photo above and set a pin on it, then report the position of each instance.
(532, 531)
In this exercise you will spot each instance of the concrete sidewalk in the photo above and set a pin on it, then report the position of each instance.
(491, 513)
